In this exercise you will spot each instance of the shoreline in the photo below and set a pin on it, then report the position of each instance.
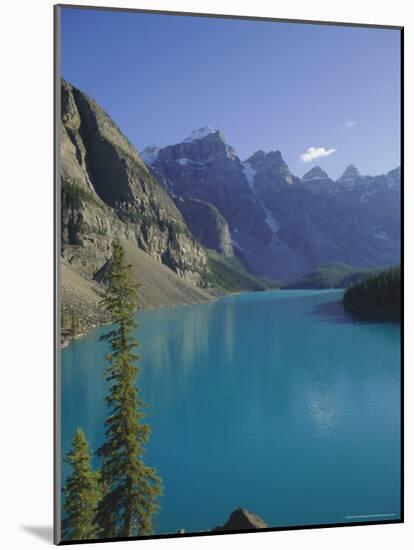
(216, 295)
(68, 340)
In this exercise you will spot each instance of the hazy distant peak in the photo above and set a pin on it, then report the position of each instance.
(351, 172)
(315, 173)
(150, 154)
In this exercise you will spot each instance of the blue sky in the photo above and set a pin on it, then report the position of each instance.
(265, 85)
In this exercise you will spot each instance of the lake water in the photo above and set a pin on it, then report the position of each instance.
(273, 401)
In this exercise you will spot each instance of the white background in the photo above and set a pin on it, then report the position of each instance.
(26, 272)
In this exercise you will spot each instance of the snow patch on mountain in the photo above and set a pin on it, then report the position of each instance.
(381, 235)
(349, 182)
(170, 188)
(201, 133)
(271, 221)
(315, 178)
(250, 174)
(185, 161)
(236, 244)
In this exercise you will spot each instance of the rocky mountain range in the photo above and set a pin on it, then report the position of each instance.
(280, 226)
(108, 193)
(193, 216)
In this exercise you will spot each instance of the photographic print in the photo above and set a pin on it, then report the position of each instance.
(228, 274)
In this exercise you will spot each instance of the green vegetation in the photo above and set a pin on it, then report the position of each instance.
(120, 499)
(82, 492)
(333, 275)
(130, 487)
(72, 196)
(378, 295)
(230, 275)
(71, 324)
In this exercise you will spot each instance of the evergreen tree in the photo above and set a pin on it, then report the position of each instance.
(131, 487)
(378, 295)
(74, 324)
(82, 492)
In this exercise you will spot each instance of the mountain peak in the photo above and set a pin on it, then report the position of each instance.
(258, 156)
(262, 159)
(272, 164)
(315, 173)
(275, 156)
(351, 172)
(201, 133)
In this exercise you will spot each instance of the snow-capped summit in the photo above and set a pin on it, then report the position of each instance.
(201, 133)
(150, 154)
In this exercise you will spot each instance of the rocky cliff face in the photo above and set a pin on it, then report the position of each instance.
(280, 226)
(377, 200)
(206, 168)
(198, 194)
(207, 225)
(108, 193)
(270, 171)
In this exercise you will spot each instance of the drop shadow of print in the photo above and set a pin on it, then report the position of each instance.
(43, 532)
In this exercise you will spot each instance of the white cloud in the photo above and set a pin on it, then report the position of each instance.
(315, 152)
(351, 123)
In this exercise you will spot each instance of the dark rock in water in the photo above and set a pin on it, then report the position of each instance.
(241, 520)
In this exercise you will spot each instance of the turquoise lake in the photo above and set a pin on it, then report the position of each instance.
(277, 402)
